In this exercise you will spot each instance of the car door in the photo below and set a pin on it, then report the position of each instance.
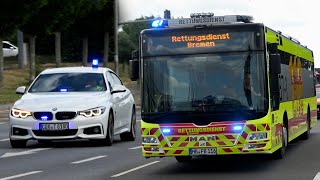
(124, 113)
(115, 98)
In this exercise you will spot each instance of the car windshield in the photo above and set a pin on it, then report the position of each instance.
(318, 94)
(69, 82)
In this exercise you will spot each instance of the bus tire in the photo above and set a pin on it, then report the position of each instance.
(183, 159)
(279, 154)
(306, 135)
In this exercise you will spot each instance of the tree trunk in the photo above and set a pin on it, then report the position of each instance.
(84, 51)
(21, 61)
(106, 49)
(58, 48)
(1, 63)
(32, 58)
(116, 16)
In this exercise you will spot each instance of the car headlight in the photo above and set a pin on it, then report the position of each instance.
(92, 112)
(18, 113)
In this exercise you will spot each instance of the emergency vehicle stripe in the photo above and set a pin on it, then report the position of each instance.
(154, 130)
(144, 131)
(178, 152)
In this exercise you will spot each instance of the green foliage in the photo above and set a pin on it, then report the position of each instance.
(134, 29)
(126, 47)
(129, 38)
(58, 15)
(15, 13)
(98, 20)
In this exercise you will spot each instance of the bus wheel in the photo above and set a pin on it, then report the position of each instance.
(183, 159)
(306, 134)
(279, 154)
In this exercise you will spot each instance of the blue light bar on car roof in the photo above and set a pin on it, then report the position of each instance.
(95, 63)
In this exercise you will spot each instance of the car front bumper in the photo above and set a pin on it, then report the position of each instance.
(78, 128)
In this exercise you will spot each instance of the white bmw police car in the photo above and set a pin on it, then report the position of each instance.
(71, 103)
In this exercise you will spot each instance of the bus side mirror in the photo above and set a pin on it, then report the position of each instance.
(274, 58)
(134, 66)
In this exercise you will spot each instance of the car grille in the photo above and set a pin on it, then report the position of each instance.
(65, 115)
(69, 132)
(43, 116)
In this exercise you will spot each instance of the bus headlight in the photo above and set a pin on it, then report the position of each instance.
(150, 140)
(257, 136)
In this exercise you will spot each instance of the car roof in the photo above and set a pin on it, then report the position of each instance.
(76, 70)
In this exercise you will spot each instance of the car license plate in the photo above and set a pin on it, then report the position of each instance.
(202, 151)
(54, 127)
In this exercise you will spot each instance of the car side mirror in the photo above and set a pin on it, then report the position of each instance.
(118, 89)
(21, 90)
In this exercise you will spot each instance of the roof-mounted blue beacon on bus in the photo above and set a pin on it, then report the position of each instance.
(95, 63)
(159, 23)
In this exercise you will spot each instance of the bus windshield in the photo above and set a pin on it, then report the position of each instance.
(205, 86)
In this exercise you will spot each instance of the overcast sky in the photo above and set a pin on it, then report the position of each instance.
(296, 18)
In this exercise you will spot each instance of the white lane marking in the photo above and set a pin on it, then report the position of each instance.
(317, 177)
(139, 120)
(134, 169)
(21, 175)
(89, 159)
(4, 139)
(3, 122)
(136, 147)
(23, 152)
(4, 110)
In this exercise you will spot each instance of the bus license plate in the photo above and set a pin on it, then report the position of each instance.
(202, 151)
(54, 127)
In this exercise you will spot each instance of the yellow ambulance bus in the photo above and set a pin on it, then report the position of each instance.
(219, 85)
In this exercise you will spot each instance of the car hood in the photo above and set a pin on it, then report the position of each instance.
(66, 101)
(318, 101)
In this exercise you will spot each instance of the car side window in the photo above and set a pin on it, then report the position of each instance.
(110, 79)
(6, 46)
(116, 79)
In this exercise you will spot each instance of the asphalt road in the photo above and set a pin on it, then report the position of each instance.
(84, 160)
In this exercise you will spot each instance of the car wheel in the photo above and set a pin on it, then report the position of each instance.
(130, 136)
(183, 159)
(18, 143)
(109, 137)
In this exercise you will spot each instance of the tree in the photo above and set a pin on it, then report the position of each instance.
(97, 24)
(134, 29)
(13, 14)
(129, 38)
(55, 16)
(126, 46)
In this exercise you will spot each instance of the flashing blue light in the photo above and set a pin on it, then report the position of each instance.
(159, 23)
(166, 130)
(44, 118)
(237, 128)
(63, 90)
(95, 63)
